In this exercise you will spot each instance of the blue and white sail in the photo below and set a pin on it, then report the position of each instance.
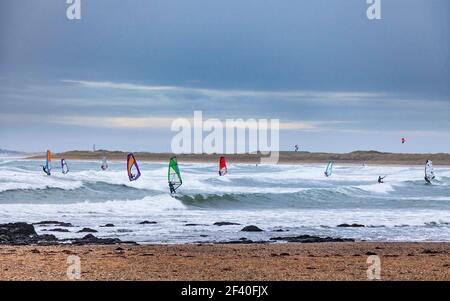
(429, 171)
(329, 169)
(64, 166)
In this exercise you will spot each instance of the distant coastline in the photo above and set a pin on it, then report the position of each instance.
(356, 157)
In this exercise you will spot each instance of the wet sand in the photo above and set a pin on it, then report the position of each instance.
(290, 261)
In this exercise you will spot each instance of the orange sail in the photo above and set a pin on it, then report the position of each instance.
(49, 156)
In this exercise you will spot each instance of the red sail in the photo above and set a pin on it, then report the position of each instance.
(222, 166)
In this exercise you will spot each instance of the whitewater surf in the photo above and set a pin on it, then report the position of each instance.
(297, 199)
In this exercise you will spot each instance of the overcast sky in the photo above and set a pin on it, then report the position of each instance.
(118, 77)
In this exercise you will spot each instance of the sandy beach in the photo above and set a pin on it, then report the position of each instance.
(356, 157)
(290, 261)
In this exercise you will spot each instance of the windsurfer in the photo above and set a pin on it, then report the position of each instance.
(172, 189)
(45, 170)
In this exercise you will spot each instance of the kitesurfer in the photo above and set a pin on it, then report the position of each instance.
(380, 179)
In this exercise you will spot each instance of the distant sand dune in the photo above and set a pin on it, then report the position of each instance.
(356, 157)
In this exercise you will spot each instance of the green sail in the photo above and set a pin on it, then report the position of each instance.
(173, 174)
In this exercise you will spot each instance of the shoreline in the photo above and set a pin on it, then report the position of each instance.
(353, 158)
(290, 261)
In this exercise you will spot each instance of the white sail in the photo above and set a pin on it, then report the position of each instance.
(429, 171)
(329, 169)
(104, 164)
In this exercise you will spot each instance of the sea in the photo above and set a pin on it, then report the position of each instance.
(282, 200)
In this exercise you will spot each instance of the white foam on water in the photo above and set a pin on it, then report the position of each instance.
(305, 183)
(377, 188)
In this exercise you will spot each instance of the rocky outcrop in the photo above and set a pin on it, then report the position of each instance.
(310, 239)
(147, 223)
(87, 230)
(53, 223)
(225, 224)
(251, 228)
(92, 240)
(350, 226)
(23, 234)
(56, 230)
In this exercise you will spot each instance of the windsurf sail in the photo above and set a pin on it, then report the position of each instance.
(222, 166)
(64, 166)
(104, 165)
(173, 175)
(429, 171)
(132, 168)
(48, 163)
(329, 169)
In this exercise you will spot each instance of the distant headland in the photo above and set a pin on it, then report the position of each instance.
(285, 157)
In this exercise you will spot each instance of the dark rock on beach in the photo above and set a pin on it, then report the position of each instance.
(280, 230)
(350, 226)
(56, 230)
(310, 239)
(47, 238)
(17, 230)
(427, 251)
(108, 226)
(251, 228)
(147, 223)
(23, 234)
(225, 224)
(53, 223)
(91, 239)
(231, 242)
(87, 230)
